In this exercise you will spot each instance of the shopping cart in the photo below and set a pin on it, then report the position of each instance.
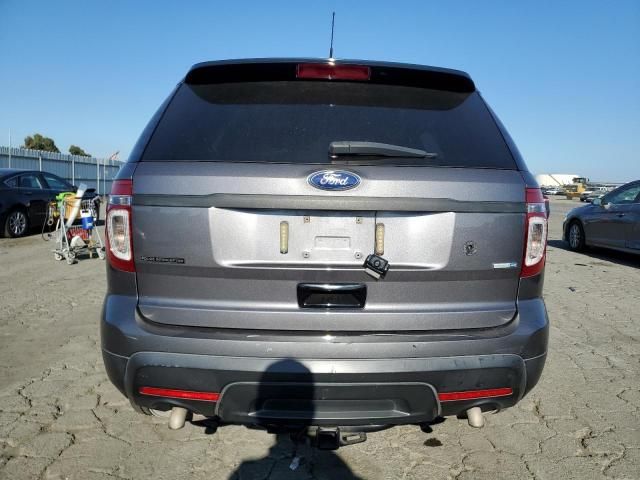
(80, 235)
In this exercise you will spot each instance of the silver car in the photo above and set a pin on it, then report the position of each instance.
(324, 247)
(595, 192)
(611, 221)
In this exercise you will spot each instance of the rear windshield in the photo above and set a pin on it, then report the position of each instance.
(295, 121)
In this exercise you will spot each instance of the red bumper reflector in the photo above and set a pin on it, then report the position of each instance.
(474, 394)
(323, 71)
(184, 394)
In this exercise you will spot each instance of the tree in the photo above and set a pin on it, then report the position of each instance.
(75, 150)
(38, 142)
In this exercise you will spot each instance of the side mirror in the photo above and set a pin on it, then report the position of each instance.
(597, 202)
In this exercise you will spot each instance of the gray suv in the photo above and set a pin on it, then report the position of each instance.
(325, 247)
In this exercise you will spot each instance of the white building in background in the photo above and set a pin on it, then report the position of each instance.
(555, 179)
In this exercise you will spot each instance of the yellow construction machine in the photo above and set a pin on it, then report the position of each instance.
(578, 185)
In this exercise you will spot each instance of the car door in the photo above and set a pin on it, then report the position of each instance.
(610, 223)
(32, 190)
(633, 237)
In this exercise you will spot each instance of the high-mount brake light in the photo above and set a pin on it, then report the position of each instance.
(329, 71)
(535, 234)
(118, 226)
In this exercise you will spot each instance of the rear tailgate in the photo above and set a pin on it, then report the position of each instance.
(223, 181)
(447, 233)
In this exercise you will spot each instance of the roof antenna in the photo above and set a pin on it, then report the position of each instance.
(333, 20)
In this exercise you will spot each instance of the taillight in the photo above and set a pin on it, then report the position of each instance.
(535, 235)
(118, 226)
(330, 71)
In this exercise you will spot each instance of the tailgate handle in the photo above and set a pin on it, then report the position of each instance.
(338, 295)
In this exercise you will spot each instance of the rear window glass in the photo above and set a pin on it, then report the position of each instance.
(12, 182)
(29, 180)
(55, 183)
(295, 121)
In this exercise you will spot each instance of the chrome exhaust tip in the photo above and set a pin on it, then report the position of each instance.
(177, 418)
(475, 417)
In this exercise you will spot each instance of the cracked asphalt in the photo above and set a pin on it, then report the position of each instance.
(61, 418)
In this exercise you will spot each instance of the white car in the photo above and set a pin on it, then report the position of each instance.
(594, 192)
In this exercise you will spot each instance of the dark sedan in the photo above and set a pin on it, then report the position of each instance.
(24, 195)
(611, 221)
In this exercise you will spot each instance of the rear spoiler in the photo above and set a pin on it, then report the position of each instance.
(230, 71)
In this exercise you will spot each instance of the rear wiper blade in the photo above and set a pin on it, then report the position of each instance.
(348, 148)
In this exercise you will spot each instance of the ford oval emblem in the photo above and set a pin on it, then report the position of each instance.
(334, 180)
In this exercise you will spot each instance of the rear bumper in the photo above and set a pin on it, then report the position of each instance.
(323, 392)
(288, 378)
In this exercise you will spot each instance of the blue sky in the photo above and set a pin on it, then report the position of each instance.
(564, 77)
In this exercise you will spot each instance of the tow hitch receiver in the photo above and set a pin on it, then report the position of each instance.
(332, 439)
(328, 439)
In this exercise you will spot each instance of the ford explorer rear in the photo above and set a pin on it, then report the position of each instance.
(327, 247)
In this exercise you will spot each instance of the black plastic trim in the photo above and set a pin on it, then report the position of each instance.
(316, 202)
(511, 145)
(531, 287)
(141, 144)
(328, 403)
(342, 295)
(282, 69)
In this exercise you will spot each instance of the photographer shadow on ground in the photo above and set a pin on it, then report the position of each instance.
(292, 455)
